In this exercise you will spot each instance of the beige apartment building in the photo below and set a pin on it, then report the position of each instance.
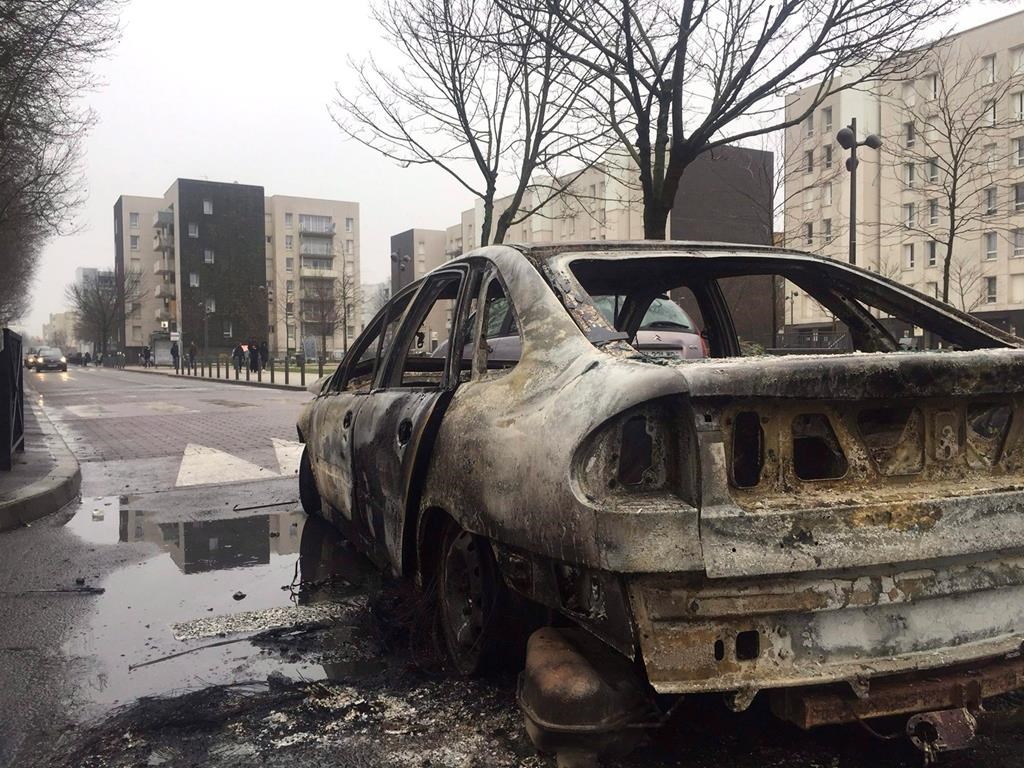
(963, 100)
(135, 239)
(312, 250)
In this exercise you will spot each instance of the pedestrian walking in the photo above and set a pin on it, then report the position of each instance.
(264, 355)
(175, 355)
(238, 354)
(254, 356)
(192, 351)
(87, 358)
(146, 354)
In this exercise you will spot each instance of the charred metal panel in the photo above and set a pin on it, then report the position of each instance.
(814, 629)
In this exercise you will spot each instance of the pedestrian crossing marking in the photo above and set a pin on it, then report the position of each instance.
(203, 466)
(289, 452)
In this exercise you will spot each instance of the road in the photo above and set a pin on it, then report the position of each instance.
(187, 613)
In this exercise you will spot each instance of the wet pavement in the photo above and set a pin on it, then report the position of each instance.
(186, 612)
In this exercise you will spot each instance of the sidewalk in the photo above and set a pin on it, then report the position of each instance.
(278, 383)
(45, 477)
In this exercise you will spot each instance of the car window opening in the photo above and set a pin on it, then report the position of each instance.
(817, 454)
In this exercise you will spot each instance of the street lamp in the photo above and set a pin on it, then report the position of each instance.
(847, 138)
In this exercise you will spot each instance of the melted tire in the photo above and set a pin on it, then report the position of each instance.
(309, 495)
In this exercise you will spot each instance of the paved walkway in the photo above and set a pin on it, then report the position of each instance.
(45, 477)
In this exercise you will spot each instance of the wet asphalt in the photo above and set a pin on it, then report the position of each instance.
(186, 612)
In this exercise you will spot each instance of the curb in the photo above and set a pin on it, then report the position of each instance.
(240, 382)
(47, 495)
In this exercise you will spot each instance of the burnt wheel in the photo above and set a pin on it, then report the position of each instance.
(470, 601)
(309, 495)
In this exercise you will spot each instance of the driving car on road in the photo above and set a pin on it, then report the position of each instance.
(50, 359)
(830, 529)
(30, 357)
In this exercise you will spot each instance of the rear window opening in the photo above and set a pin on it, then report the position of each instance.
(817, 454)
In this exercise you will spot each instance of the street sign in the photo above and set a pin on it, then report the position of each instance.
(175, 336)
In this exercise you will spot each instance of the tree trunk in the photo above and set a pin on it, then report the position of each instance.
(655, 221)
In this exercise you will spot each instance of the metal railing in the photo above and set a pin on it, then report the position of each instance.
(12, 396)
(227, 368)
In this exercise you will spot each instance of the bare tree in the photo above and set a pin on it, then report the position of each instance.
(329, 304)
(966, 277)
(481, 96)
(99, 303)
(46, 47)
(683, 78)
(952, 145)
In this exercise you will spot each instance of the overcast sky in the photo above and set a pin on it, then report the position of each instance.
(237, 90)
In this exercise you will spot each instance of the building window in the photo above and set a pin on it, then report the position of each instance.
(933, 170)
(909, 93)
(133, 242)
(1018, 152)
(991, 157)
(827, 155)
(809, 125)
(992, 200)
(288, 242)
(989, 107)
(809, 161)
(988, 68)
(349, 224)
(1018, 197)
(1017, 101)
(909, 219)
(289, 264)
(227, 330)
(348, 246)
(908, 134)
(932, 253)
(269, 239)
(826, 119)
(826, 230)
(991, 246)
(133, 220)
(808, 234)
(808, 198)
(319, 225)
(193, 230)
(931, 83)
(933, 211)
(991, 290)
(908, 174)
(288, 221)
(193, 279)
(1017, 60)
(1018, 242)
(826, 194)
(208, 256)
(211, 305)
(908, 256)
(208, 207)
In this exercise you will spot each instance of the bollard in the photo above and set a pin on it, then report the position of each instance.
(319, 367)
(218, 367)
(286, 369)
(271, 370)
(259, 372)
(247, 373)
(302, 372)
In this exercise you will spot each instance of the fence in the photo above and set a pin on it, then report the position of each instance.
(227, 368)
(12, 398)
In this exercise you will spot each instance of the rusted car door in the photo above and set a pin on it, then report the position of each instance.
(397, 421)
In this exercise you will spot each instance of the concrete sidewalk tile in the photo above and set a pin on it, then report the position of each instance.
(46, 476)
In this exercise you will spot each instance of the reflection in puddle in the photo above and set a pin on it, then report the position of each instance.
(275, 561)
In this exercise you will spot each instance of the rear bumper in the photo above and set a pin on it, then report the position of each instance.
(746, 635)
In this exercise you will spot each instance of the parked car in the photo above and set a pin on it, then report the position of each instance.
(830, 530)
(50, 359)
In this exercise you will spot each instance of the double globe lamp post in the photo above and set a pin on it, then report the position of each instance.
(847, 138)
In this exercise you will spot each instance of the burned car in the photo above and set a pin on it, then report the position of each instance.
(843, 532)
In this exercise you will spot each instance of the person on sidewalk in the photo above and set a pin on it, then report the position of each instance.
(175, 355)
(146, 354)
(192, 352)
(239, 355)
(264, 355)
(254, 356)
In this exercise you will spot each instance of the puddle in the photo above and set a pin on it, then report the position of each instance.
(239, 586)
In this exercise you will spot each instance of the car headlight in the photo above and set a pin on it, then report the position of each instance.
(63, 359)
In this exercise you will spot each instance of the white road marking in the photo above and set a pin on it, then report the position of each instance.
(161, 407)
(288, 453)
(201, 466)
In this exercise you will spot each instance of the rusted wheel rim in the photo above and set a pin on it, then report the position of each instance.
(463, 596)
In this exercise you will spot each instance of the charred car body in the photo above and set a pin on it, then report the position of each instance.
(827, 528)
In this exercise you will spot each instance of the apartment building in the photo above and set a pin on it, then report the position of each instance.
(222, 264)
(59, 330)
(965, 102)
(313, 268)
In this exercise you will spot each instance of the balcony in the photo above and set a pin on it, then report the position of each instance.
(163, 268)
(314, 272)
(163, 241)
(316, 230)
(163, 220)
(163, 315)
(317, 251)
(164, 291)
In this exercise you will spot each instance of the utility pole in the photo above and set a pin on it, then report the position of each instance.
(847, 138)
